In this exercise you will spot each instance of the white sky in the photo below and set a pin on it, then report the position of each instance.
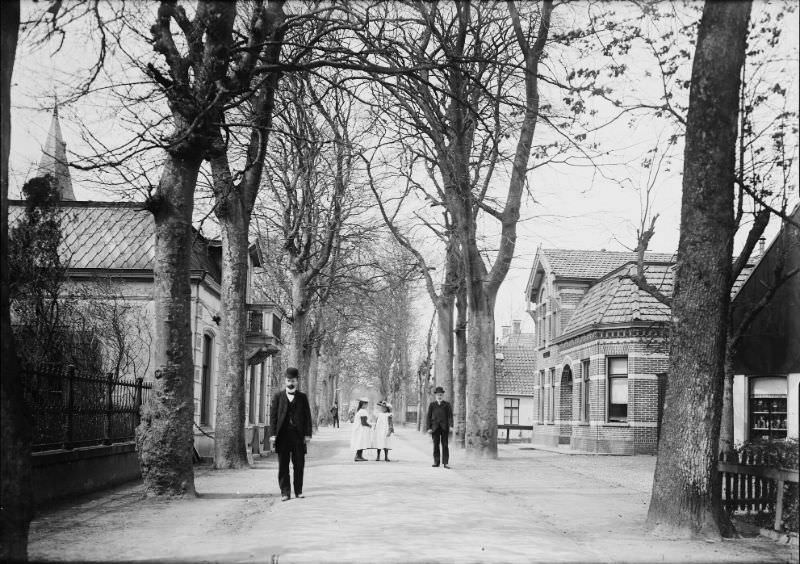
(576, 207)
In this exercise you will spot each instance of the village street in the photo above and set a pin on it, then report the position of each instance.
(530, 505)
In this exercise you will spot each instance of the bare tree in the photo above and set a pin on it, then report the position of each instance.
(686, 489)
(203, 71)
(459, 113)
(235, 197)
(15, 461)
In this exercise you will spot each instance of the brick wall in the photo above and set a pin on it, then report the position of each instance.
(647, 360)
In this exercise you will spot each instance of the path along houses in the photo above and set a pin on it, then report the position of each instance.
(115, 241)
(602, 353)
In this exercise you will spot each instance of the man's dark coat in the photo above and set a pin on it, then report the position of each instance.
(439, 416)
(277, 414)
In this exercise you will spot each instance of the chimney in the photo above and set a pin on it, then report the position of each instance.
(54, 158)
(517, 323)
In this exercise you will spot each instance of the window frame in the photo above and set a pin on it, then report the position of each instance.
(510, 411)
(586, 406)
(541, 397)
(610, 378)
(552, 406)
(251, 404)
(206, 375)
(262, 404)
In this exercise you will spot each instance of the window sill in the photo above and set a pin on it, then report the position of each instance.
(616, 424)
(583, 424)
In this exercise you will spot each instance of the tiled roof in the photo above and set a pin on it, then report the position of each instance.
(112, 236)
(567, 263)
(616, 299)
(515, 372)
(519, 340)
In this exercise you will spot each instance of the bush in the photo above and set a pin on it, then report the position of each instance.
(783, 454)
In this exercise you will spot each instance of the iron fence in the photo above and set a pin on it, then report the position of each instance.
(70, 410)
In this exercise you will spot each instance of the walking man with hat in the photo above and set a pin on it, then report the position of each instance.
(438, 424)
(290, 423)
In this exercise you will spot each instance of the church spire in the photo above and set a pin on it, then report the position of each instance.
(54, 158)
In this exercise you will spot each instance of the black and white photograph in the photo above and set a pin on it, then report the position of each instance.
(400, 281)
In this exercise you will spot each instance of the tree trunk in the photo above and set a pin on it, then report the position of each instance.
(299, 319)
(16, 510)
(460, 375)
(230, 446)
(443, 365)
(726, 426)
(164, 437)
(686, 489)
(481, 429)
(313, 371)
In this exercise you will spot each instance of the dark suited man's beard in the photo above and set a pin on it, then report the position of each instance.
(291, 387)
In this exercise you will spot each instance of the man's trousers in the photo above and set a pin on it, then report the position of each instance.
(440, 437)
(291, 448)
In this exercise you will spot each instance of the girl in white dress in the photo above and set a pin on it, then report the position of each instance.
(361, 434)
(381, 437)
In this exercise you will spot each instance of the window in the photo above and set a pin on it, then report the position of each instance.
(541, 396)
(768, 408)
(511, 411)
(585, 405)
(205, 386)
(552, 408)
(251, 413)
(262, 404)
(618, 388)
(544, 324)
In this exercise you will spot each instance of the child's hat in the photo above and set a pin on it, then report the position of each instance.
(438, 390)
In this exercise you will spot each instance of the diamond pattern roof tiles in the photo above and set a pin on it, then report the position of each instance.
(570, 263)
(112, 236)
(616, 299)
(514, 375)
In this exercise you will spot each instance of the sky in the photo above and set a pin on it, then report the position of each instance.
(577, 207)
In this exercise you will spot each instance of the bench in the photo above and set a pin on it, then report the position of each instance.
(509, 428)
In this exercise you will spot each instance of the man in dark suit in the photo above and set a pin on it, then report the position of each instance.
(290, 423)
(438, 424)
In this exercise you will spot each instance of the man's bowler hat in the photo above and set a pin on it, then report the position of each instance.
(292, 372)
(438, 390)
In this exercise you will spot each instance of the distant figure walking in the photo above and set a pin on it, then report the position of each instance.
(290, 421)
(438, 424)
(335, 415)
(381, 437)
(361, 436)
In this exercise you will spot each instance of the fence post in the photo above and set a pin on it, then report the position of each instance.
(109, 408)
(68, 403)
(137, 403)
(779, 506)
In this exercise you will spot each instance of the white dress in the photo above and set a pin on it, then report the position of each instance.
(379, 435)
(361, 436)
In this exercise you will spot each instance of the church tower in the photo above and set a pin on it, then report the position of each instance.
(54, 159)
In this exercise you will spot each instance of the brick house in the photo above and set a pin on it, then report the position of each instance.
(116, 241)
(514, 368)
(601, 350)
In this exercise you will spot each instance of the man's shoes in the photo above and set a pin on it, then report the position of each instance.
(301, 496)
(284, 498)
(435, 465)
(387, 460)
(359, 459)
(447, 466)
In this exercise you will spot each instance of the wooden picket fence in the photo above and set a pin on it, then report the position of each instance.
(752, 482)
